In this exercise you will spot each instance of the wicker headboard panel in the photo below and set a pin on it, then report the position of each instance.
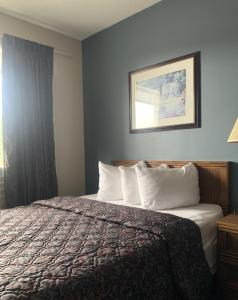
(213, 178)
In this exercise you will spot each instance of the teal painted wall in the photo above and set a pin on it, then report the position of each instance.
(166, 30)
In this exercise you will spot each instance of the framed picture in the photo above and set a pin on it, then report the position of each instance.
(166, 96)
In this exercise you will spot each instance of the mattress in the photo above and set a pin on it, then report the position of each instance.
(204, 215)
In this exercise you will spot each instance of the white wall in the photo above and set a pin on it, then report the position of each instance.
(67, 98)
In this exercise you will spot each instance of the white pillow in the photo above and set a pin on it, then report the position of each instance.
(110, 187)
(130, 189)
(168, 188)
(129, 182)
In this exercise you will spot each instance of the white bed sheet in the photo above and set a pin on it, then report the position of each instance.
(204, 215)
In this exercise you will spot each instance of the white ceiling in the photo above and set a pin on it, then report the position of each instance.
(76, 18)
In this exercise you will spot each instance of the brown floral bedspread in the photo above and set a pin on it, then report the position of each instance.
(74, 248)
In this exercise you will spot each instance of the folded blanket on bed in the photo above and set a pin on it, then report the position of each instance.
(74, 248)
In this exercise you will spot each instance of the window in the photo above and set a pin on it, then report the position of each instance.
(1, 135)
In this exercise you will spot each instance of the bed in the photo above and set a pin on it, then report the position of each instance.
(204, 215)
(81, 248)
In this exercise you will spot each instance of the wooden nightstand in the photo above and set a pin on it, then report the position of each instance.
(228, 256)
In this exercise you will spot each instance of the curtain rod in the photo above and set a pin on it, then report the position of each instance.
(55, 51)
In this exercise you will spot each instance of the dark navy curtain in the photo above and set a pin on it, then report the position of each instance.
(28, 131)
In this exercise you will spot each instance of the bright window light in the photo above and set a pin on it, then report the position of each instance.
(1, 135)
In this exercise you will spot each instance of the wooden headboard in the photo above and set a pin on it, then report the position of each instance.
(213, 178)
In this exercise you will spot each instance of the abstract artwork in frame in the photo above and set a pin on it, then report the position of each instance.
(166, 96)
